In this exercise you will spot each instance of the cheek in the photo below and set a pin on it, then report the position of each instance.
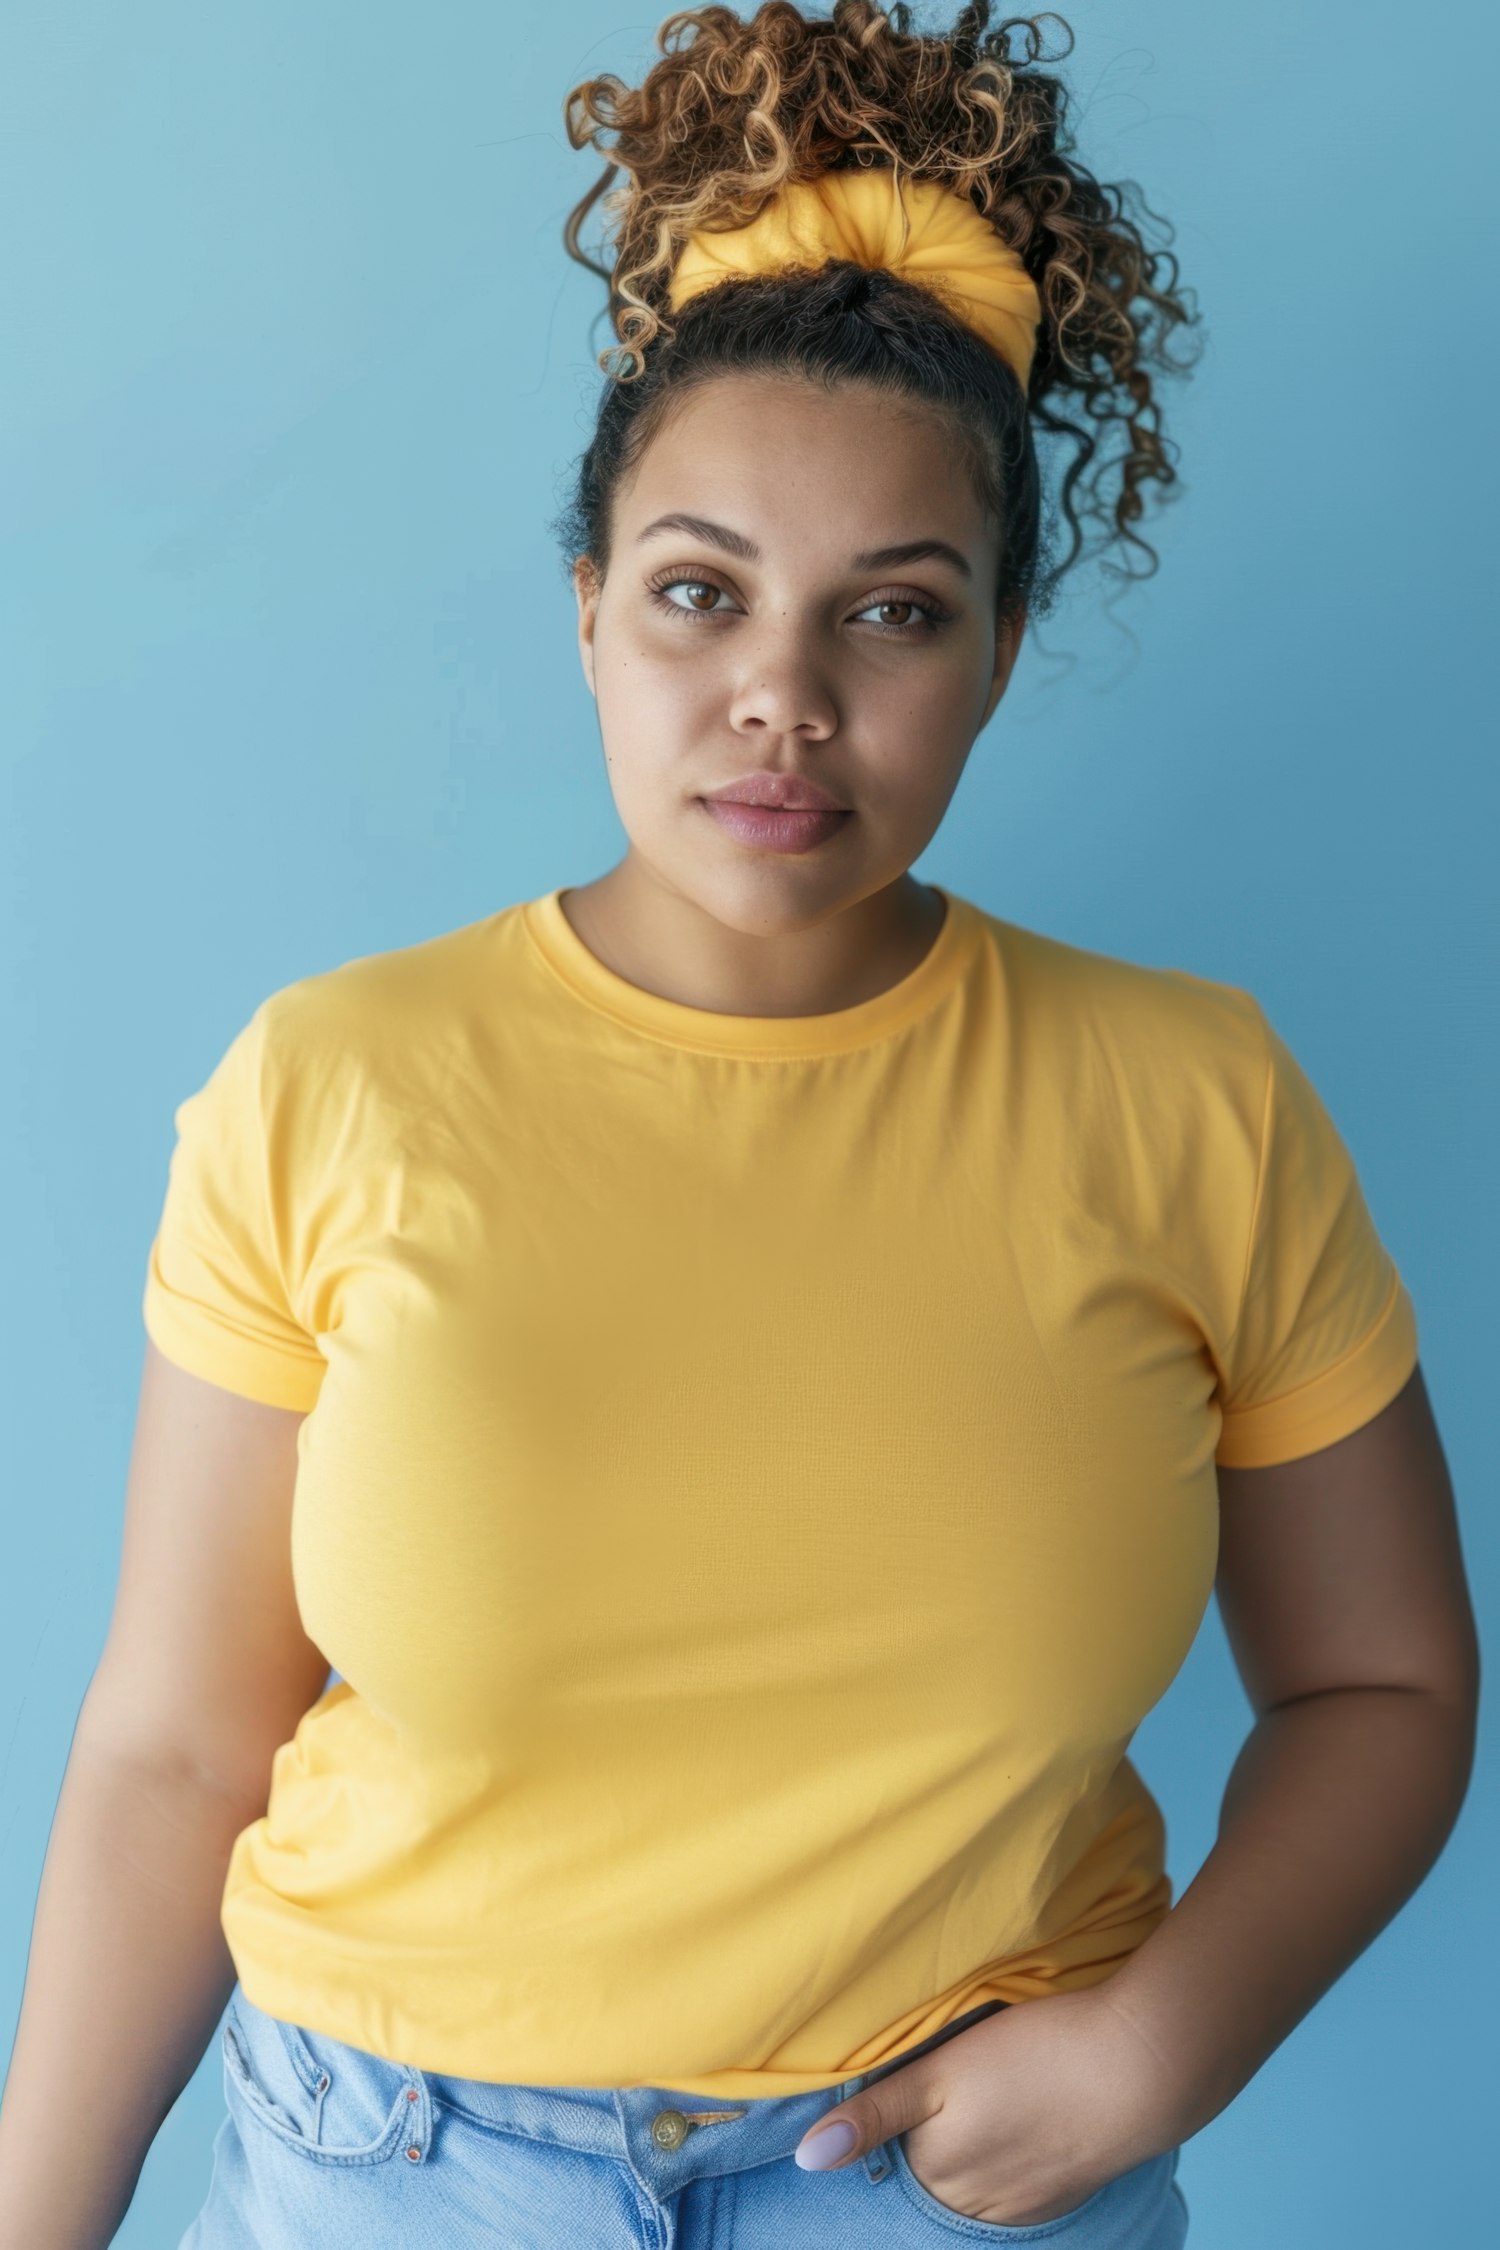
(648, 703)
(936, 703)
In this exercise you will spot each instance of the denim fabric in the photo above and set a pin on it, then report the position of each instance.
(326, 2147)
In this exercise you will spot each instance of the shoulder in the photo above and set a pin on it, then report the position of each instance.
(377, 1014)
(1140, 1020)
(1138, 1091)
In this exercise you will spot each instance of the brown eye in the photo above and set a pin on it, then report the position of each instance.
(701, 602)
(921, 616)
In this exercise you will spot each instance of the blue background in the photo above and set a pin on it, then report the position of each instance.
(294, 369)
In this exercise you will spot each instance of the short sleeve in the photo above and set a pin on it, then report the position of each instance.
(1326, 1333)
(217, 1300)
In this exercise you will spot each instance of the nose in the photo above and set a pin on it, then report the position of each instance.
(783, 688)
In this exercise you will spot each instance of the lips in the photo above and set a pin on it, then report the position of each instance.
(782, 792)
(770, 828)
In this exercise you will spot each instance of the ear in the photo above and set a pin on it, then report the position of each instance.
(587, 586)
(1008, 635)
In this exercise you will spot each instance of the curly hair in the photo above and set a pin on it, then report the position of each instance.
(733, 110)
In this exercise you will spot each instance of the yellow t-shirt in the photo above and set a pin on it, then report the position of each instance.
(761, 1470)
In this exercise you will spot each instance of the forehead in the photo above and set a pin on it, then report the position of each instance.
(784, 459)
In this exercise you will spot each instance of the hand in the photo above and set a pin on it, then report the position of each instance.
(1023, 2117)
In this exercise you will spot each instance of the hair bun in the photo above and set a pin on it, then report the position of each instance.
(736, 114)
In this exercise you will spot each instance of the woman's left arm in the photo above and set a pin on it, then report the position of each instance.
(1341, 1585)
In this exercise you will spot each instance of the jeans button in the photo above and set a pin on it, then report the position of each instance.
(669, 2128)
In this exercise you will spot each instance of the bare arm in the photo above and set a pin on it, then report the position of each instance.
(204, 1674)
(1342, 1589)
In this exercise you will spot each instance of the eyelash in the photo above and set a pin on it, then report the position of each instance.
(936, 617)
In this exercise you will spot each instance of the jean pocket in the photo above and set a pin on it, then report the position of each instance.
(986, 2230)
(331, 2103)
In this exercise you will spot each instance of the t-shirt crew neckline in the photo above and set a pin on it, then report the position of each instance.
(711, 1032)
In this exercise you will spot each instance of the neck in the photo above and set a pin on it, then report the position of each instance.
(655, 937)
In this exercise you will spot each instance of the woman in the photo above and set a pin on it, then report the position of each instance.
(772, 1358)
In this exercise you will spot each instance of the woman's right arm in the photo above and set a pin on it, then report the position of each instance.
(205, 1673)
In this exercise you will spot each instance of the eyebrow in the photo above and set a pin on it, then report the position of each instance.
(698, 527)
(872, 558)
(911, 552)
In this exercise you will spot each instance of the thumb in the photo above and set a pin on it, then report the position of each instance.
(867, 2119)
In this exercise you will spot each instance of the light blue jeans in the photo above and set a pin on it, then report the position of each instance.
(326, 2147)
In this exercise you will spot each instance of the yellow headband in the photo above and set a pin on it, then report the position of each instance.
(857, 214)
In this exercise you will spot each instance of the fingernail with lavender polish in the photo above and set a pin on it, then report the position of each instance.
(826, 2146)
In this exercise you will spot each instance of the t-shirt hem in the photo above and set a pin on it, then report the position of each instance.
(1331, 1405)
(268, 1379)
(296, 2001)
